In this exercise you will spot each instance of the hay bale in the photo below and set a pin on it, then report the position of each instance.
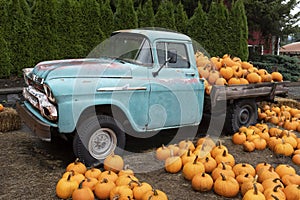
(9, 120)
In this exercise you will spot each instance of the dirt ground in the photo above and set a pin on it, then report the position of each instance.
(30, 168)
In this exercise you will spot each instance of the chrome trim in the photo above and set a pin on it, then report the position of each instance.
(40, 101)
(122, 88)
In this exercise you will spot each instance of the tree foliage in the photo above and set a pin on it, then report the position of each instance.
(272, 17)
(44, 26)
(165, 15)
(181, 18)
(145, 14)
(125, 16)
(35, 30)
(106, 18)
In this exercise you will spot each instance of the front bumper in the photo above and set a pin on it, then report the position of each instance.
(39, 128)
(40, 101)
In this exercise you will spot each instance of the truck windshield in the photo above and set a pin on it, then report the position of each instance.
(127, 47)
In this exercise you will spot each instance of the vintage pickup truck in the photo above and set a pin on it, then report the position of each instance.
(137, 81)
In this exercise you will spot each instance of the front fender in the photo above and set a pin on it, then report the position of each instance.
(71, 111)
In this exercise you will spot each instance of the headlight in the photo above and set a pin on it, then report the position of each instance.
(49, 93)
(26, 72)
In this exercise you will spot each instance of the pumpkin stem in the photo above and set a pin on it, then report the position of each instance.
(275, 180)
(246, 175)
(274, 197)
(80, 184)
(276, 188)
(126, 166)
(189, 153)
(69, 177)
(298, 187)
(76, 161)
(255, 178)
(223, 165)
(203, 175)
(116, 197)
(224, 153)
(255, 189)
(155, 192)
(104, 180)
(195, 160)
(223, 177)
(206, 159)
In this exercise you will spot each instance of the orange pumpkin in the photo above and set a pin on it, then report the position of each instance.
(103, 188)
(190, 169)
(121, 192)
(253, 194)
(140, 189)
(253, 77)
(202, 182)
(65, 187)
(155, 194)
(248, 146)
(93, 173)
(77, 166)
(173, 164)
(226, 186)
(226, 72)
(292, 192)
(276, 76)
(1, 107)
(83, 193)
(113, 162)
(162, 153)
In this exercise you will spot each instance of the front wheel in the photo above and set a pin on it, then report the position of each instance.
(96, 138)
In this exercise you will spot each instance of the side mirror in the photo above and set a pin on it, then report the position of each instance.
(172, 56)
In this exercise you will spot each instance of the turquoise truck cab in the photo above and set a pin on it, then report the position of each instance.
(138, 80)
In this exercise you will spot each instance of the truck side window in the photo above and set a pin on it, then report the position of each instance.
(182, 56)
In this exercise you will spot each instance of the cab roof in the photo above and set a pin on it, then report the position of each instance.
(154, 34)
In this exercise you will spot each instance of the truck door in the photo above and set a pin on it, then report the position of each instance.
(175, 91)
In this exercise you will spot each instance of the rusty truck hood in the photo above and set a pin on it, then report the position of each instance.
(84, 68)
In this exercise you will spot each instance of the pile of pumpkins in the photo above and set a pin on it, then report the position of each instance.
(115, 182)
(211, 167)
(260, 136)
(284, 116)
(231, 71)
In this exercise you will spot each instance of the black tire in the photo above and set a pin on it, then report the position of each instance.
(240, 113)
(97, 137)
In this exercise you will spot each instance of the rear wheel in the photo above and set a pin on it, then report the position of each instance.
(241, 113)
(96, 138)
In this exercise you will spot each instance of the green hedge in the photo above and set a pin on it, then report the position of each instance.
(288, 66)
(35, 30)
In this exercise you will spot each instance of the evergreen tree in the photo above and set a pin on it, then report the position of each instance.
(5, 65)
(181, 19)
(165, 15)
(238, 24)
(44, 25)
(197, 27)
(218, 29)
(90, 30)
(69, 40)
(20, 36)
(125, 16)
(106, 18)
(145, 14)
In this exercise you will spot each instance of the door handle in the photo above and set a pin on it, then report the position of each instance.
(190, 74)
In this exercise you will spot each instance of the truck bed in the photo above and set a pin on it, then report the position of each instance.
(260, 91)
